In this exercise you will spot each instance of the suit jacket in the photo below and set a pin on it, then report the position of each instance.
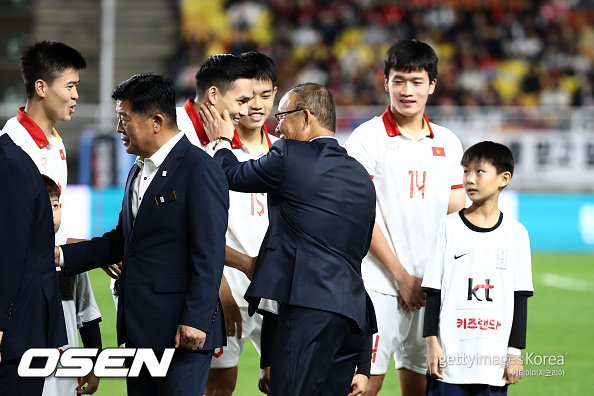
(30, 309)
(173, 252)
(322, 212)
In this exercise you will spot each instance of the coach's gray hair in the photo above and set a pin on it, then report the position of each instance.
(319, 101)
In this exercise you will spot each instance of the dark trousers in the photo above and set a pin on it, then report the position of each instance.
(186, 376)
(440, 388)
(13, 385)
(315, 353)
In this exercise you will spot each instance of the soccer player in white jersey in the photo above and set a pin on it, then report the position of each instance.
(415, 166)
(477, 286)
(50, 72)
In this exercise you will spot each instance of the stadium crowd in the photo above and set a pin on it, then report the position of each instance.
(492, 53)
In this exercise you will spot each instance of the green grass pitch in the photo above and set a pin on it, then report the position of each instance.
(560, 323)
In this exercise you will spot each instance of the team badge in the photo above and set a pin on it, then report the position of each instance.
(501, 259)
(438, 151)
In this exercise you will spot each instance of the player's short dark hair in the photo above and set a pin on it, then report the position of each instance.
(149, 94)
(45, 60)
(221, 71)
(411, 56)
(52, 188)
(266, 67)
(319, 101)
(492, 153)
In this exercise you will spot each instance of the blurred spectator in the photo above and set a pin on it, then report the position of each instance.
(491, 53)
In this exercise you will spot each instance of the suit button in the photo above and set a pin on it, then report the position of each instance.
(130, 254)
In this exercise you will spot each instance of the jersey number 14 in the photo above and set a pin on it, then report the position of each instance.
(414, 182)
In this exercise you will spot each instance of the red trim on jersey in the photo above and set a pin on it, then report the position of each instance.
(457, 186)
(236, 142)
(266, 134)
(438, 151)
(371, 177)
(390, 123)
(431, 135)
(198, 127)
(219, 353)
(62, 155)
(34, 130)
(392, 127)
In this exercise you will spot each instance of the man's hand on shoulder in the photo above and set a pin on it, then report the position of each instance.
(189, 337)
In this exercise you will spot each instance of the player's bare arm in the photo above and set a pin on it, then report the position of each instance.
(240, 261)
(457, 200)
(408, 286)
(233, 321)
(435, 363)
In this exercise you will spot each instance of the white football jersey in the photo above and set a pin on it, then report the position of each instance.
(413, 180)
(478, 270)
(248, 212)
(49, 156)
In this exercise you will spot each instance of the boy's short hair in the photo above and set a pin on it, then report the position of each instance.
(266, 67)
(149, 94)
(493, 153)
(45, 60)
(221, 71)
(410, 56)
(320, 102)
(52, 188)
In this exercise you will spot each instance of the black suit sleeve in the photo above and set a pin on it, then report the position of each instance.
(17, 212)
(364, 359)
(269, 323)
(263, 175)
(207, 218)
(98, 252)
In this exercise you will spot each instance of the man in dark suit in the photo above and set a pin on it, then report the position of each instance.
(322, 211)
(31, 313)
(170, 237)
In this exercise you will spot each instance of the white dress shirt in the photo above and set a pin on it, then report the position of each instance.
(148, 170)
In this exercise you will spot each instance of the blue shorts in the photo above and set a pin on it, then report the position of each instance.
(440, 388)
